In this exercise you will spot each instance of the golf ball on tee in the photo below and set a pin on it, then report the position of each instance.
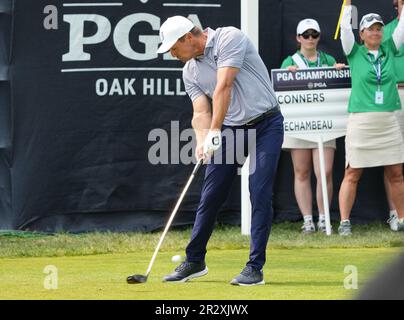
(176, 258)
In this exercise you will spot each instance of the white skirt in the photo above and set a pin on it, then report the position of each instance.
(373, 139)
(294, 143)
(400, 119)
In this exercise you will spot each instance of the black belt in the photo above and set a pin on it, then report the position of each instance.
(263, 116)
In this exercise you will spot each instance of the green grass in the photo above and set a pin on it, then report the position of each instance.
(283, 236)
(289, 274)
(95, 265)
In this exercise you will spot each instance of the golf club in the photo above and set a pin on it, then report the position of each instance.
(138, 278)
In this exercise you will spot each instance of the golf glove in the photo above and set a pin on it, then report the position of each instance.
(213, 141)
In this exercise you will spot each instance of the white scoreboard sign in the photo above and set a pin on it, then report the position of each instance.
(314, 101)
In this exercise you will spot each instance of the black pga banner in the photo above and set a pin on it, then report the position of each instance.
(89, 102)
(312, 78)
(99, 116)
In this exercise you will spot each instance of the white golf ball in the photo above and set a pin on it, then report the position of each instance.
(176, 258)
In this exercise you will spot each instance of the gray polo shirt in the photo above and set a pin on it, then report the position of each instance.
(252, 92)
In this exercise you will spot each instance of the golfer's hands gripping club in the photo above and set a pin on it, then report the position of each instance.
(213, 142)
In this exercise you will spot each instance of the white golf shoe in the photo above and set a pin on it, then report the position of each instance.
(393, 222)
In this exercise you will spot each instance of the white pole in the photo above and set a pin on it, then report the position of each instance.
(245, 200)
(324, 186)
(250, 27)
(250, 20)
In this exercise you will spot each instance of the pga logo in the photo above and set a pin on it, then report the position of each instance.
(315, 85)
(120, 35)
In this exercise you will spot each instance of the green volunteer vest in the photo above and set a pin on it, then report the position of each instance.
(364, 79)
(325, 61)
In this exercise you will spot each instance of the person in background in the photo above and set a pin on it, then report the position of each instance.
(399, 68)
(373, 134)
(305, 155)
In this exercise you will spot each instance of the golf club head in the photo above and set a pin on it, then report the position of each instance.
(136, 278)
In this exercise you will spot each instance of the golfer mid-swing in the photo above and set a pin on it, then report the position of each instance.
(230, 88)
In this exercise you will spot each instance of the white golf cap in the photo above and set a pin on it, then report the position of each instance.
(307, 24)
(370, 19)
(173, 29)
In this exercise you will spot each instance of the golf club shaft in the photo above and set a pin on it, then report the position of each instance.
(170, 220)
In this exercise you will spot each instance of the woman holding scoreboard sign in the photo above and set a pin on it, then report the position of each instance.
(305, 155)
(373, 133)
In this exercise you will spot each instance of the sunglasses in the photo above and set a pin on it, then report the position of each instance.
(314, 34)
(371, 18)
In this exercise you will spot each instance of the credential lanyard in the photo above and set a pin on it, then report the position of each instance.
(377, 66)
(307, 62)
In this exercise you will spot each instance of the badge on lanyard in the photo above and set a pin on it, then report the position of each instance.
(379, 96)
(379, 99)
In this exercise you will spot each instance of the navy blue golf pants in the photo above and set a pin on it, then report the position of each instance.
(218, 181)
